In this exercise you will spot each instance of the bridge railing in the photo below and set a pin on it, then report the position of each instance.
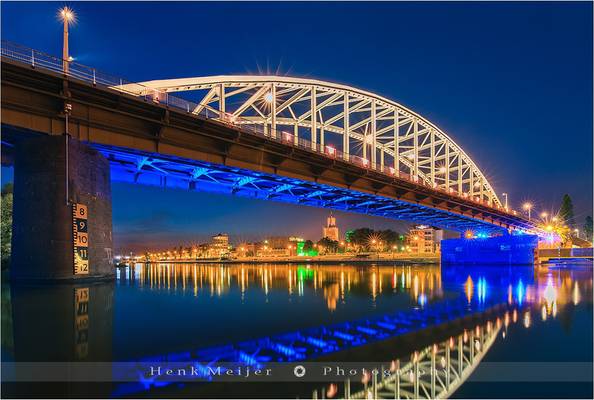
(37, 59)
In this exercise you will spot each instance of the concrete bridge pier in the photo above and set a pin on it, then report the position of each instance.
(62, 228)
(498, 250)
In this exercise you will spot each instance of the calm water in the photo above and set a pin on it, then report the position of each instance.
(155, 311)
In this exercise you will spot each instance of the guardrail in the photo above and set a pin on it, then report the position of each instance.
(566, 253)
(37, 59)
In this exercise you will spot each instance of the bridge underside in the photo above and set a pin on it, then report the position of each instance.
(167, 171)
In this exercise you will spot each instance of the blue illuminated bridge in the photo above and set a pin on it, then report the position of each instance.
(277, 138)
(69, 130)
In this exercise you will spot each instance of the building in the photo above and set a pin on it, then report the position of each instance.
(219, 245)
(280, 246)
(330, 230)
(423, 239)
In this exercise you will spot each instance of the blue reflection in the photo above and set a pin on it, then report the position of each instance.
(422, 300)
(482, 290)
(490, 289)
(520, 292)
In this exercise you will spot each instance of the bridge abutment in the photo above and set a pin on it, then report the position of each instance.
(62, 227)
(498, 250)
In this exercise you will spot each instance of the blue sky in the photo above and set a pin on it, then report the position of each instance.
(510, 82)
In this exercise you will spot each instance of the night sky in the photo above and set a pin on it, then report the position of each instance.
(510, 82)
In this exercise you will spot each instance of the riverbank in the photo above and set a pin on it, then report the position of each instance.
(312, 260)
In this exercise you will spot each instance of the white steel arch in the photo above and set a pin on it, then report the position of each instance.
(339, 120)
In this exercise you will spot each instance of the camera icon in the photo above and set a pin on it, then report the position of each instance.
(299, 371)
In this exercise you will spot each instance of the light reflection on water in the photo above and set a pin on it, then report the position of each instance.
(333, 282)
(524, 293)
(163, 308)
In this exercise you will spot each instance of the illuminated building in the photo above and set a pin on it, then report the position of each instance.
(219, 245)
(330, 230)
(423, 239)
(278, 246)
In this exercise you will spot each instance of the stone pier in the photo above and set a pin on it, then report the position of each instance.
(62, 227)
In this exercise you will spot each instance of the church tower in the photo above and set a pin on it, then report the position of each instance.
(331, 230)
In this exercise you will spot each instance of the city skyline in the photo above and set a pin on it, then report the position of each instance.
(156, 231)
(502, 86)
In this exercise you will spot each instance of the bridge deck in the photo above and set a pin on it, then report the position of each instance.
(35, 92)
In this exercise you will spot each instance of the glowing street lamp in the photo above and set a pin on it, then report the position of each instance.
(528, 207)
(544, 214)
(68, 17)
(505, 195)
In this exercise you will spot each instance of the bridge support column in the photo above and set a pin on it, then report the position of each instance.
(62, 229)
(498, 250)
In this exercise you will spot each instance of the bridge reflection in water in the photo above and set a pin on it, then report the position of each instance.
(472, 305)
(260, 314)
(435, 371)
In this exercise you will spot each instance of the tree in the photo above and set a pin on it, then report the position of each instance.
(6, 224)
(330, 246)
(588, 228)
(566, 211)
(348, 236)
(307, 246)
(7, 189)
(360, 236)
(391, 237)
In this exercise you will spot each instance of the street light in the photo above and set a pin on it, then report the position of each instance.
(68, 17)
(544, 214)
(505, 194)
(528, 207)
(577, 232)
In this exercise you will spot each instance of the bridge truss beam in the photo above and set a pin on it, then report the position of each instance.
(201, 176)
(352, 123)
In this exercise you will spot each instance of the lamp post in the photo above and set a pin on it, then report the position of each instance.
(505, 194)
(528, 207)
(67, 16)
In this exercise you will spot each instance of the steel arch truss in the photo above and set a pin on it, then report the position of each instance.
(356, 125)
(160, 170)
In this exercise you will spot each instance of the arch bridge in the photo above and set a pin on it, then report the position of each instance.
(276, 138)
(340, 122)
